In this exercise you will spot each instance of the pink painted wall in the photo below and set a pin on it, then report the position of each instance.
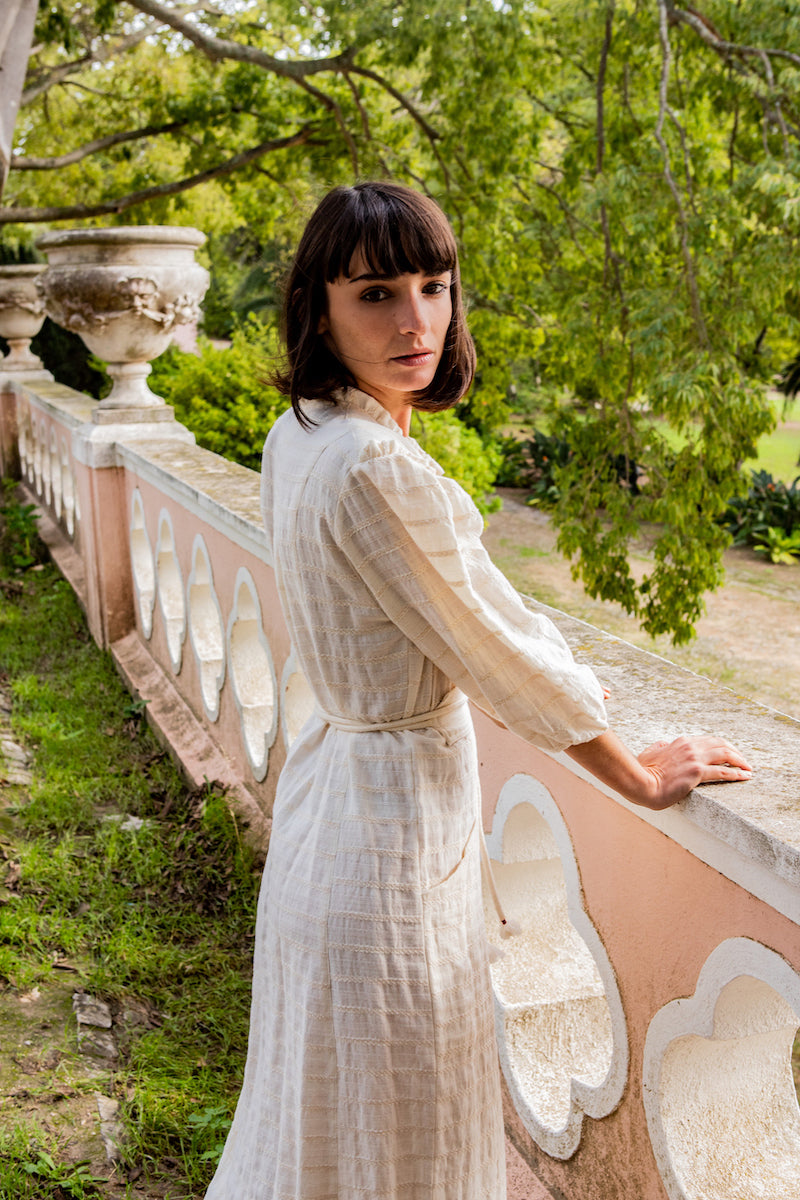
(225, 558)
(660, 911)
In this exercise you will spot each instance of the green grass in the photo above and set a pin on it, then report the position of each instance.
(778, 453)
(30, 1170)
(163, 915)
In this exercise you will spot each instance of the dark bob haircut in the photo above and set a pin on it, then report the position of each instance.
(398, 231)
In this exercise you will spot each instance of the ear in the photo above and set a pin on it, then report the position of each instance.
(323, 325)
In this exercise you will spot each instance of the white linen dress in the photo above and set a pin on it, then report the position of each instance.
(372, 1069)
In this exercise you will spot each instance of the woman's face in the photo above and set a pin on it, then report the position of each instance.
(388, 332)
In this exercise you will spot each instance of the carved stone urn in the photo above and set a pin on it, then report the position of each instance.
(22, 315)
(124, 290)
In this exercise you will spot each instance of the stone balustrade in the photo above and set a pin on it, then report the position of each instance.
(646, 1010)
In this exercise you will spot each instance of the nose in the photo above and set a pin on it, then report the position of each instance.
(411, 315)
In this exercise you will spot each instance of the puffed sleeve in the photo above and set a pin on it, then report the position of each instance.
(414, 537)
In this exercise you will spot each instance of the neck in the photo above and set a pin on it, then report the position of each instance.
(403, 418)
(398, 408)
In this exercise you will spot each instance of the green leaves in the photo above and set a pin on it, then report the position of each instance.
(626, 197)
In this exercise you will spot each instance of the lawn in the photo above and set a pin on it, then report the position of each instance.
(778, 452)
(119, 881)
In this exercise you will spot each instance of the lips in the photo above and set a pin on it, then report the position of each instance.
(416, 359)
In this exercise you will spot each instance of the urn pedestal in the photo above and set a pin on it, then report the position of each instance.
(22, 314)
(123, 291)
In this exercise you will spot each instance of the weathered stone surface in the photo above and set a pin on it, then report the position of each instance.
(124, 290)
(97, 1042)
(111, 1129)
(17, 775)
(90, 1011)
(21, 317)
(12, 752)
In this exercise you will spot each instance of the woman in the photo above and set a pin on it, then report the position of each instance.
(372, 1069)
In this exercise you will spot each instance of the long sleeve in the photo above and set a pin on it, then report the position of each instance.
(413, 536)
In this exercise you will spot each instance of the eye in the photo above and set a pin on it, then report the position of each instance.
(436, 287)
(374, 295)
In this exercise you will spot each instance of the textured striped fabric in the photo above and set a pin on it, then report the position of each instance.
(372, 1070)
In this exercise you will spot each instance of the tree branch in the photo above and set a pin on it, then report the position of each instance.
(332, 106)
(431, 134)
(691, 278)
(686, 158)
(103, 53)
(571, 218)
(608, 258)
(412, 111)
(362, 112)
(777, 104)
(600, 87)
(365, 124)
(20, 163)
(218, 49)
(12, 215)
(710, 36)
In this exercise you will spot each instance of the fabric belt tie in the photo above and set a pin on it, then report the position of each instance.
(452, 703)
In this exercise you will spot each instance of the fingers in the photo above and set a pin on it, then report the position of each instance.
(721, 773)
(722, 759)
(678, 766)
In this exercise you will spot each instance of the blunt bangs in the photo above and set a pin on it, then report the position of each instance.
(393, 236)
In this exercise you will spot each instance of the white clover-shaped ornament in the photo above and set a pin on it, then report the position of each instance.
(560, 1023)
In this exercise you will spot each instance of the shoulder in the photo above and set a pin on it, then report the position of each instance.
(343, 441)
(395, 480)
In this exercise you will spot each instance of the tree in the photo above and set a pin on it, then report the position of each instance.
(622, 175)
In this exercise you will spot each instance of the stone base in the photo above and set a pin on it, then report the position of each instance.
(132, 416)
(10, 371)
(95, 443)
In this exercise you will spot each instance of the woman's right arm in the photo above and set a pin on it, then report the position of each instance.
(665, 772)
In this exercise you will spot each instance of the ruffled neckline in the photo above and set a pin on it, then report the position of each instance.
(353, 400)
(350, 398)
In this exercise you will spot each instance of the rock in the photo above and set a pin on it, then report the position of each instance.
(90, 1011)
(111, 1129)
(97, 1042)
(11, 752)
(17, 775)
(14, 763)
(128, 824)
(94, 1020)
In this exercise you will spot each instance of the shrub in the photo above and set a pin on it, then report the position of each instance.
(780, 547)
(533, 464)
(536, 462)
(769, 504)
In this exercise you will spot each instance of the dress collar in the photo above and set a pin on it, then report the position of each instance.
(353, 398)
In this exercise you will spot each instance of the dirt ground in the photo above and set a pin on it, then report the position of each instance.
(749, 639)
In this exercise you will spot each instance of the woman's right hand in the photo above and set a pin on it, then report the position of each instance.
(677, 767)
(663, 773)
